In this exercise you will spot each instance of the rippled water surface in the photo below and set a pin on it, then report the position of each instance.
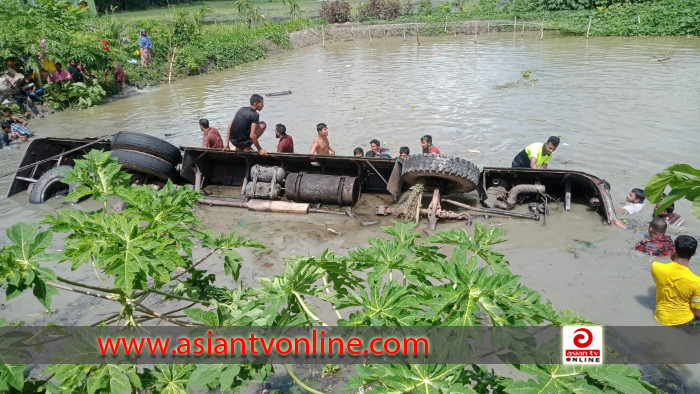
(622, 114)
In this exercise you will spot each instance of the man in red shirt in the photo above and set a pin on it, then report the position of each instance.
(657, 243)
(286, 144)
(212, 138)
(426, 142)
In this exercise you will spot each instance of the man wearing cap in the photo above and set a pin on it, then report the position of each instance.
(536, 155)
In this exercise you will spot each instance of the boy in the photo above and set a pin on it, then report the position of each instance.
(358, 152)
(426, 142)
(403, 154)
(321, 145)
(6, 112)
(635, 202)
(16, 130)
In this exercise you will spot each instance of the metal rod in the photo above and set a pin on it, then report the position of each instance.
(375, 170)
(491, 211)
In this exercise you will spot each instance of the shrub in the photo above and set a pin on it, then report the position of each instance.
(445, 8)
(336, 11)
(379, 9)
(407, 7)
(425, 7)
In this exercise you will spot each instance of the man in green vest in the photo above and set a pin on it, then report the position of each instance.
(536, 155)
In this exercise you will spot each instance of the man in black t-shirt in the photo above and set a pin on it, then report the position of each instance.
(246, 127)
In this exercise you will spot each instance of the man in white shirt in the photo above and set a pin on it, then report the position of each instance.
(635, 202)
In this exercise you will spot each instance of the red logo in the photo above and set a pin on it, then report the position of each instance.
(584, 339)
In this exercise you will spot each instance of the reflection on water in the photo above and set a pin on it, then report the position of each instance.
(622, 115)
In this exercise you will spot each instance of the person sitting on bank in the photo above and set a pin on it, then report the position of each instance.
(246, 127)
(426, 143)
(635, 202)
(212, 138)
(286, 144)
(403, 154)
(672, 219)
(657, 243)
(59, 75)
(75, 74)
(536, 155)
(677, 287)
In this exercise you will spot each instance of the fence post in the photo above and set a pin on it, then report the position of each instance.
(404, 32)
(445, 24)
(417, 39)
(476, 29)
(522, 33)
(542, 30)
(515, 23)
(588, 32)
(488, 29)
(369, 29)
(323, 36)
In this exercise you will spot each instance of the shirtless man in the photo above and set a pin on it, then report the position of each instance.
(321, 145)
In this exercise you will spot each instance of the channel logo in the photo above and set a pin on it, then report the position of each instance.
(582, 344)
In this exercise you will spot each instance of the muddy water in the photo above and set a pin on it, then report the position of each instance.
(622, 114)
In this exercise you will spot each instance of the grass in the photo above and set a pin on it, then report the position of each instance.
(226, 10)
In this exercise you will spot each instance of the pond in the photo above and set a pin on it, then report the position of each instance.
(624, 108)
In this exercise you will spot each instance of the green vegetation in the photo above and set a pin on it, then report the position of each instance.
(684, 181)
(182, 39)
(449, 279)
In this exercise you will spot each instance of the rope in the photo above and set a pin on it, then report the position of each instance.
(55, 157)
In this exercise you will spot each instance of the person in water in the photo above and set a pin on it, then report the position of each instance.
(677, 287)
(403, 154)
(426, 143)
(536, 155)
(321, 146)
(657, 243)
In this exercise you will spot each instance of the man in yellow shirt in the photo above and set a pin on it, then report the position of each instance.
(677, 288)
(536, 155)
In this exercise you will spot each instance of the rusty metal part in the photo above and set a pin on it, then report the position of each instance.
(325, 189)
(383, 210)
(395, 182)
(534, 216)
(262, 190)
(257, 205)
(495, 197)
(434, 209)
(516, 190)
(267, 173)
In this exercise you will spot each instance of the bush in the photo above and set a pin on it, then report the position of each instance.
(425, 7)
(407, 7)
(445, 8)
(379, 9)
(336, 11)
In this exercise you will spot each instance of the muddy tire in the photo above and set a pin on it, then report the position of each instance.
(143, 163)
(452, 174)
(49, 185)
(147, 144)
